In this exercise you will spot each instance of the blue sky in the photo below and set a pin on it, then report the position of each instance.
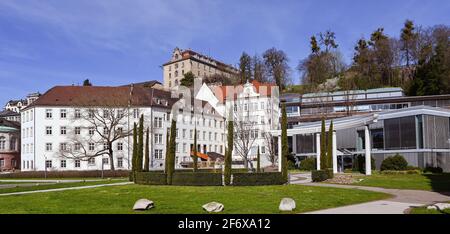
(112, 42)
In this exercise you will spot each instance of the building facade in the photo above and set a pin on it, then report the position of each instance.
(415, 127)
(68, 128)
(9, 145)
(183, 61)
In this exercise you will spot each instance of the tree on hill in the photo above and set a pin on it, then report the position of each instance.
(276, 62)
(245, 68)
(87, 83)
(147, 151)
(188, 79)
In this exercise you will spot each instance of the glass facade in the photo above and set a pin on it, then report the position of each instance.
(400, 133)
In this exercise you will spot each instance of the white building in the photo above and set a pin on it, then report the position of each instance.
(256, 105)
(58, 132)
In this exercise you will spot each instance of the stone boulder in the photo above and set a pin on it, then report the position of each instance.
(287, 204)
(213, 207)
(442, 206)
(143, 204)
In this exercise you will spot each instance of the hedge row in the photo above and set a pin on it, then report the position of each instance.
(151, 178)
(197, 179)
(267, 178)
(65, 174)
(393, 172)
(321, 175)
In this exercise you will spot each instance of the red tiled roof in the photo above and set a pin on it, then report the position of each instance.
(265, 89)
(102, 96)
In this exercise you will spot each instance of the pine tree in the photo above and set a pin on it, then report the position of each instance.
(323, 147)
(284, 143)
(147, 151)
(171, 155)
(330, 147)
(134, 156)
(229, 153)
(258, 162)
(194, 156)
(140, 146)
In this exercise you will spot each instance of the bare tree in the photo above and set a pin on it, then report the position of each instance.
(105, 126)
(245, 131)
(272, 154)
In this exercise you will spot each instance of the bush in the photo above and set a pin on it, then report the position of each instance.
(251, 179)
(437, 170)
(394, 163)
(154, 178)
(320, 175)
(291, 165)
(359, 164)
(308, 164)
(197, 179)
(66, 174)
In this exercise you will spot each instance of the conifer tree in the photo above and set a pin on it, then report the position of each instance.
(147, 151)
(194, 156)
(140, 146)
(258, 162)
(284, 143)
(229, 153)
(171, 155)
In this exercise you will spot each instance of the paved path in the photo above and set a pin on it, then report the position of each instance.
(63, 189)
(402, 198)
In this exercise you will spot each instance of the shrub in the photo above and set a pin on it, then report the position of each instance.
(392, 172)
(395, 163)
(154, 178)
(291, 165)
(330, 173)
(320, 175)
(66, 174)
(251, 179)
(359, 164)
(437, 170)
(197, 179)
(308, 164)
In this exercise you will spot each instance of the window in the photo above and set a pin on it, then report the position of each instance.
(157, 122)
(91, 146)
(48, 130)
(77, 114)
(176, 147)
(105, 161)
(135, 113)
(63, 113)
(91, 130)
(158, 138)
(63, 130)
(184, 133)
(119, 162)
(77, 146)
(105, 146)
(48, 147)
(77, 163)
(120, 130)
(204, 135)
(48, 163)
(77, 130)
(215, 136)
(48, 113)
(91, 161)
(120, 146)
(2, 143)
(210, 135)
(176, 133)
(2, 162)
(120, 114)
(262, 105)
(158, 154)
(91, 114)
(12, 143)
(63, 163)
(105, 131)
(63, 146)
(191, 133)
(184, 148)
(263, 149)
(105, 113)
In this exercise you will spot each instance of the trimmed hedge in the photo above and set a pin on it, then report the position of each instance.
(394, 163)
(437, 170)
(153, 178)
(321, 175)
(197, 179)
(66, 174)
(251, 179)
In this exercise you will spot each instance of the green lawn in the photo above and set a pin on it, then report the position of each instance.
(178, 199)
(43, 186)
(429, 182)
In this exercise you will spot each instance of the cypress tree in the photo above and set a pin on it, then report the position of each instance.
(194, 156)
(258, 163)
(140, 146)
(329, 163)
(229, 153)
(284, 143)
(171, 161)
(147, 151)
(323, 147)
(134, 156)
(166, 159)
